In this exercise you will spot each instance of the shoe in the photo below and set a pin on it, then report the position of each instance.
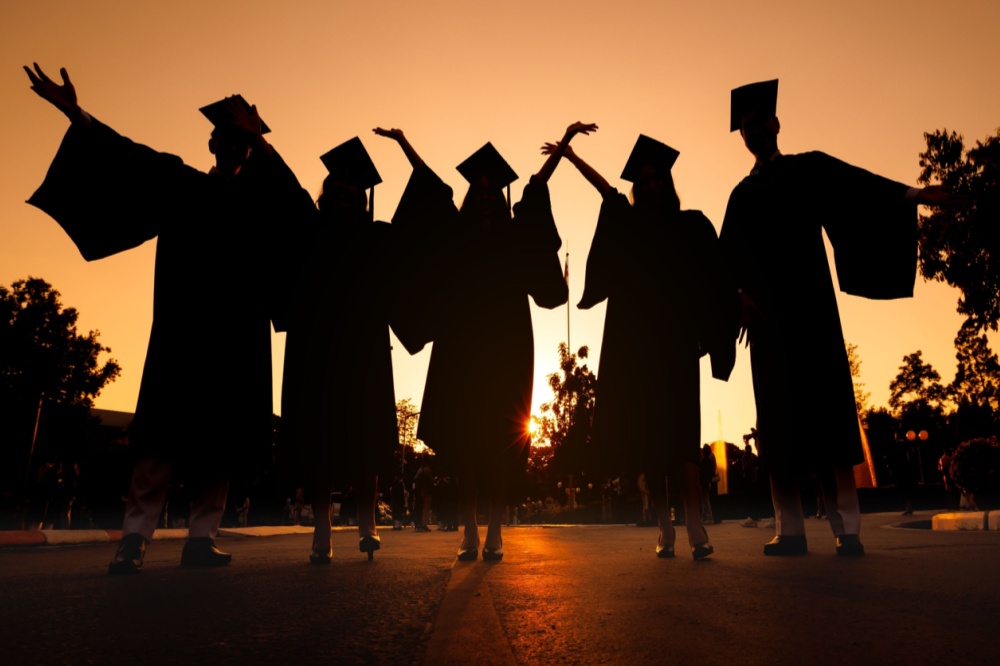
(787, 544)
(493, 554)
(201, 552)
(468, 554)
(702, 550)
(320, 556)
(369, 544)
(849, 545)
(128, 557)
(666, 552)
(769, 525)
(749, 522)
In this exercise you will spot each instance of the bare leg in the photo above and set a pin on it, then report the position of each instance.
(470, 538)
(322, 545)
(494, 540)
(662, 505)
(367, 499)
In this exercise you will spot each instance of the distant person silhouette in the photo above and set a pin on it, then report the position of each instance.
(477, 399)
(654, 263)
(338, 401)
(210, 344)
(773, 236)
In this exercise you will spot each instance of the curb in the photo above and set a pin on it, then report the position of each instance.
(21, 538)
(973, 521)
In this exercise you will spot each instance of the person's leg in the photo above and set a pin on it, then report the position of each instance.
(691, 495)
(367, 490)
(841, 498)
(147, 495)
(493, 546)
(322, 541)
(208, 505)
(665, 539)
(789, 520)
(470, 535)
(788, 517)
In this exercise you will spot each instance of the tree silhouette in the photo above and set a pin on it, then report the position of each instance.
(565, 421)
(861, 396)
(961, 245)
(49, 375)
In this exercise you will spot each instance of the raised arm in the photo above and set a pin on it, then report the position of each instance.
(594, 178)
(63, 97)
(397, 136)
(559, 149)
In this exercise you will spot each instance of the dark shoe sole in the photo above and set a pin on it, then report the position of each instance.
(490, 555)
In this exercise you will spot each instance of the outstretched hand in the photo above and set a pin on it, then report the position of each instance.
(63, 97)
(580, 128)
(394, 133)
(247, 120)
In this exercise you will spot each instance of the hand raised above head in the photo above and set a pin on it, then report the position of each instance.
(245, 118)
(581, 128)
(394, 133)
(63, 97)
(551, 148)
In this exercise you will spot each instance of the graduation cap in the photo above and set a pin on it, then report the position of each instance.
(218, 113)
(648, 151)
(349, 162)
(760, 97)
(487, 162)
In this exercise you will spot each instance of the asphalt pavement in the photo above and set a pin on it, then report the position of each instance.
(561, 595)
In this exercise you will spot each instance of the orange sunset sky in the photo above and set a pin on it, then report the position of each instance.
(861, 80)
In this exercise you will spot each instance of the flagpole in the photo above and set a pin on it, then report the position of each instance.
(569, 348)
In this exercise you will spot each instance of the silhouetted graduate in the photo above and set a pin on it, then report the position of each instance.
(477, 399)
(210, 346)
(338, 405)
(657, 266)
(772, 235)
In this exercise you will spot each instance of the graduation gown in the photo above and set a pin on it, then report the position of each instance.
(338, 403)
(477, 399)
(772, 235)
(205, 396)
(667, 307)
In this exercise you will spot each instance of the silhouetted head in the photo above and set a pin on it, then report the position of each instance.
(760, 134)
(231, 148)
(229, 143)
(484, 207)
(654, 192)
(487, 173)
(352, 172)
(649, 170)
(342, 201)
(753, 111)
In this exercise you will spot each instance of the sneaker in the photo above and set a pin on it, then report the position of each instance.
(749, 522)
(770, 524)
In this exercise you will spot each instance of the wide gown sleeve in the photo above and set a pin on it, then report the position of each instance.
(109, 193)
(423, 219)
(603, 259)
(874, 238)
(539, 244)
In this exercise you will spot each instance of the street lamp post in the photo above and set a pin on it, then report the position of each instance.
(923, 436)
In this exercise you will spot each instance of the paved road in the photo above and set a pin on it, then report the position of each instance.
(562, 595)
